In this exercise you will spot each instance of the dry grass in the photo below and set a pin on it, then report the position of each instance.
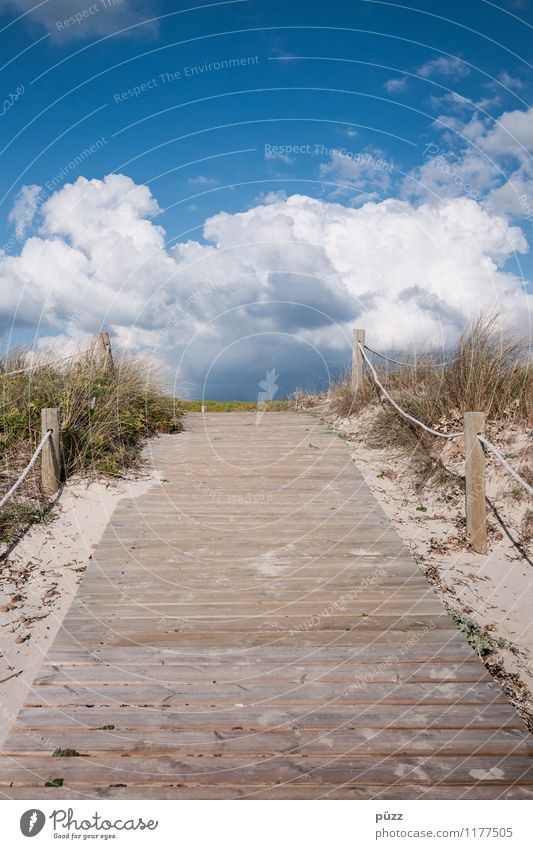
(343, 403)
(105, 418)
(234, 406)
(526, 530)
(307, 399)
(489, 372)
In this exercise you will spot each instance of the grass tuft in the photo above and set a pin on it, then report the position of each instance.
(233, 406)
(475, 635)
(65, 753)
(105, 417)
(488, 371)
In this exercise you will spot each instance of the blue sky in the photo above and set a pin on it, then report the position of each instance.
(287, 171)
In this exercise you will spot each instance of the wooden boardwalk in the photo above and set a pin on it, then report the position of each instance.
(252, 627)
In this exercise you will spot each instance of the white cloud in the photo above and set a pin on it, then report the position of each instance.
(395, 85)
(283, 157)
(444, 66)
(24, 209)
(270, 197)
(278, 286)
(516, 4)
(448, 122)
(77, 19)
(368, 171)
(445, 175)
(489, 159)
(509, 81)
(510, 135)
(202, 180)
(458, 104)
(515, 195)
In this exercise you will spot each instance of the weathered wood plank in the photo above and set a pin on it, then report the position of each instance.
(361, 741)
(491, 717)
(221, 693)
(172, 672)
(309, 791)
(388, 771)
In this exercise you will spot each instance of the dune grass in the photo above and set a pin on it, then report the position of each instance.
(106, 416)
(488, 372)
(233, 406)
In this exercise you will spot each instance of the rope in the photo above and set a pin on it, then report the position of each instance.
(399, 409)
(504, 463)
(24, 474)
(402, 363)
(38, 365)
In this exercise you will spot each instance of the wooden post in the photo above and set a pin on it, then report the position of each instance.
(104, 352)
(476, 508)
(357, 360)
(51, 454)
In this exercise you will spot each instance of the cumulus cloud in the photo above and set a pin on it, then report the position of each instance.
(395, 85)
(486, 159)
(515, 195)
(444, 66)
(278, 286)
(24, 209)
(78, 19)
(282, 157)
(454, 102)
(448, 174)
(368, 171)
(510, 135)
(450, 67)
(509, 81)
(202, 180)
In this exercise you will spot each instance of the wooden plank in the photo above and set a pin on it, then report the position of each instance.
(394, 770)
(221, 693)
(180, 640)
(493, 716)
(362, 741)
(278, 620)
(171, 672)
(309, 791)
(457, 653)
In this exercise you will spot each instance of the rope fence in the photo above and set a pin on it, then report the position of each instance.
(413, 363)
(22, 477)
(476, 445)
(50, 444)
(492, 448)
(475, 441)
(397, 406)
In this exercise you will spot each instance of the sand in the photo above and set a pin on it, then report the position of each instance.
(40, 576)
(495, 591)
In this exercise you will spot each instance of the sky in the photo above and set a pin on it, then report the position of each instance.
(230, 188)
